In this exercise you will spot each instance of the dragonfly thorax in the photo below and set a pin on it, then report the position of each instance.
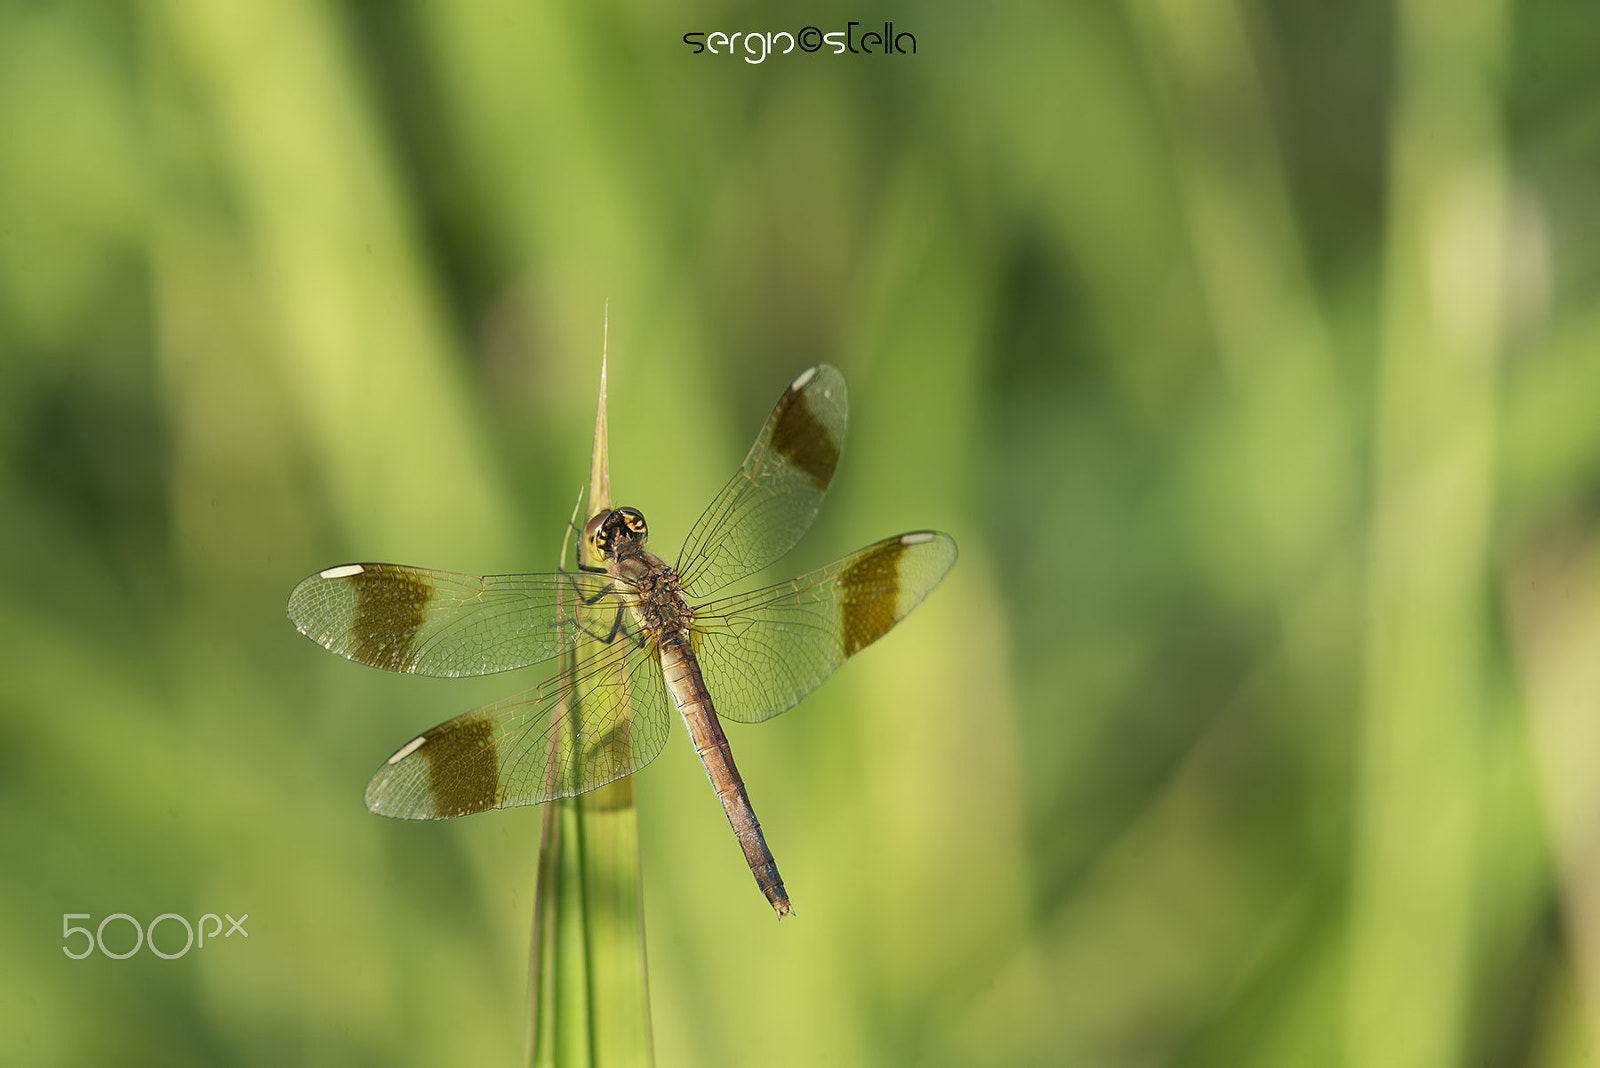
(656, 595)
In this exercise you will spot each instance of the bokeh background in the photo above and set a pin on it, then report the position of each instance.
(1250, 351)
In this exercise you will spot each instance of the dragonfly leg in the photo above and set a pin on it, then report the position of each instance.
(619, 625)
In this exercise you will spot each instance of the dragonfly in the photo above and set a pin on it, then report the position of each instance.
(636, 634)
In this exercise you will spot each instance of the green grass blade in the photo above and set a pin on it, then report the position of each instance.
(588, 994)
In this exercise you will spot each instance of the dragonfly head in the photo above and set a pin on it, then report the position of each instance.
(612, 533)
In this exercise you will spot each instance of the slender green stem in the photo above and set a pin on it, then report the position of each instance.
(588, 994)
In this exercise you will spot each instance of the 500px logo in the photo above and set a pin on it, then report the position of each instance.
(143, 936)
(758, 46)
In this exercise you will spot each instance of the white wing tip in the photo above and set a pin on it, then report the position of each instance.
(410, 747)
(805, 376)
(342, 571)
(918, 537)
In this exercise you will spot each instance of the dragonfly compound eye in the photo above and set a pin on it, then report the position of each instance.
(635, 521)
(596, 537)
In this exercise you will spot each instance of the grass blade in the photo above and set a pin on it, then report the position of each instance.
(588, 990)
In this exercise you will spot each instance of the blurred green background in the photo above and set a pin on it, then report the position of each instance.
(1251, 352)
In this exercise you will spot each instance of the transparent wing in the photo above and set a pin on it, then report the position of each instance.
(761, 652)
(443, 624)
(770, 503)
(607, 719)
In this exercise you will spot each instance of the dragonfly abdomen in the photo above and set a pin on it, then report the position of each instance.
(688, 689)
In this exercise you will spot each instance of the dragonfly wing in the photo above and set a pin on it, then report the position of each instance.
(443, 624)
(771, 501)
(605, 720)
(761, 652)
